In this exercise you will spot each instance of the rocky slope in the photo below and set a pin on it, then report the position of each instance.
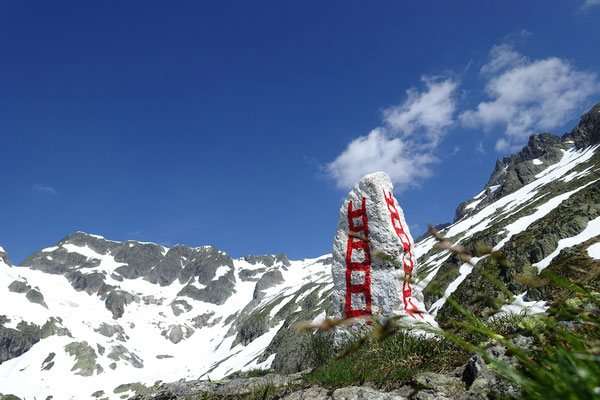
(540, 208)
(91, 316)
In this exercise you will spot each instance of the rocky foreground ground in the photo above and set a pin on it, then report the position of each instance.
(474, 380)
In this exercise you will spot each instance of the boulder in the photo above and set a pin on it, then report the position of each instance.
(365, 282)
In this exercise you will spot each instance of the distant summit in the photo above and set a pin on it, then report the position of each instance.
(542, 150)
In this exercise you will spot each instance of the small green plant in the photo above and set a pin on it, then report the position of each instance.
(263, 392)
(255, 373)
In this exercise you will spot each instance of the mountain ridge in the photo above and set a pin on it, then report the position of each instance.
(541, 151)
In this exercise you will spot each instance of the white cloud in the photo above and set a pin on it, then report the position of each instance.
(378, 151)
(529, 96)
(428, 113)
(403, 147)
(502, 56)
(590, 3)
(43, 189)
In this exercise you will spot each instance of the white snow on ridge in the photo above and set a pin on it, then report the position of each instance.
(221, 271)
(520, 306)
(498, 210)
(2, 249)
(537, 161)
(49, 249)
(473, 204)
(523, 223)
(591, 230)
(107, 262)
(576, 175)
(464, 271)
(594, 251)
(479, 195)
(484, 217)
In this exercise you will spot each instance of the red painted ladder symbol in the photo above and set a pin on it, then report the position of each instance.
(355, 243)
(407, 259)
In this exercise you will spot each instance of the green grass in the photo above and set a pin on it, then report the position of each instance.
(561, 354)
(563, 361)
(255, 373)
(399, 357)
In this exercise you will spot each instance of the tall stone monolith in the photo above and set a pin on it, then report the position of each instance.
(364, 283)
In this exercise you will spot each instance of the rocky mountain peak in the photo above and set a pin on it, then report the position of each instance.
(587, 132)
(268, 260)
(541, 151)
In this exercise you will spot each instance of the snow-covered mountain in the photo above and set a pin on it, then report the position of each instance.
(88, 316)
(94, 318)
(541, 208)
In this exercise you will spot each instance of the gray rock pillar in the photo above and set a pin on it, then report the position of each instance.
(364, 283)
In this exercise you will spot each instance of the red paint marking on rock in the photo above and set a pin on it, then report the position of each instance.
(410, 308)
(354, 244)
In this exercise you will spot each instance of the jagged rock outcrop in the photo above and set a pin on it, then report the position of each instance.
(14, 342)
(268, 260)
(78, 255)
(268, 280)
(587, 132)
(542, 150)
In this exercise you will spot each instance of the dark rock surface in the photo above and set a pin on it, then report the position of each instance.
(268, 280)
(32, 294)
(14, 342)
(116, 302)
(587, 132)
(141, 260)
(268, 260)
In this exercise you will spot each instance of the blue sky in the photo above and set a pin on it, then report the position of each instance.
(242, 124)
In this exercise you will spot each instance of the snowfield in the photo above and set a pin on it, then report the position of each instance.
(208, 352)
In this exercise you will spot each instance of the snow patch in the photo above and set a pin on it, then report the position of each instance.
(576, 174)
(479, 195)
(464, 271)
(594, 251)
(473, 205)
(319, 319)
(221, 271)
(591, 230)
(49, 249)
(537, 161)
(493, 188)
(521, 224)
(522, 307)
(278, 307)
